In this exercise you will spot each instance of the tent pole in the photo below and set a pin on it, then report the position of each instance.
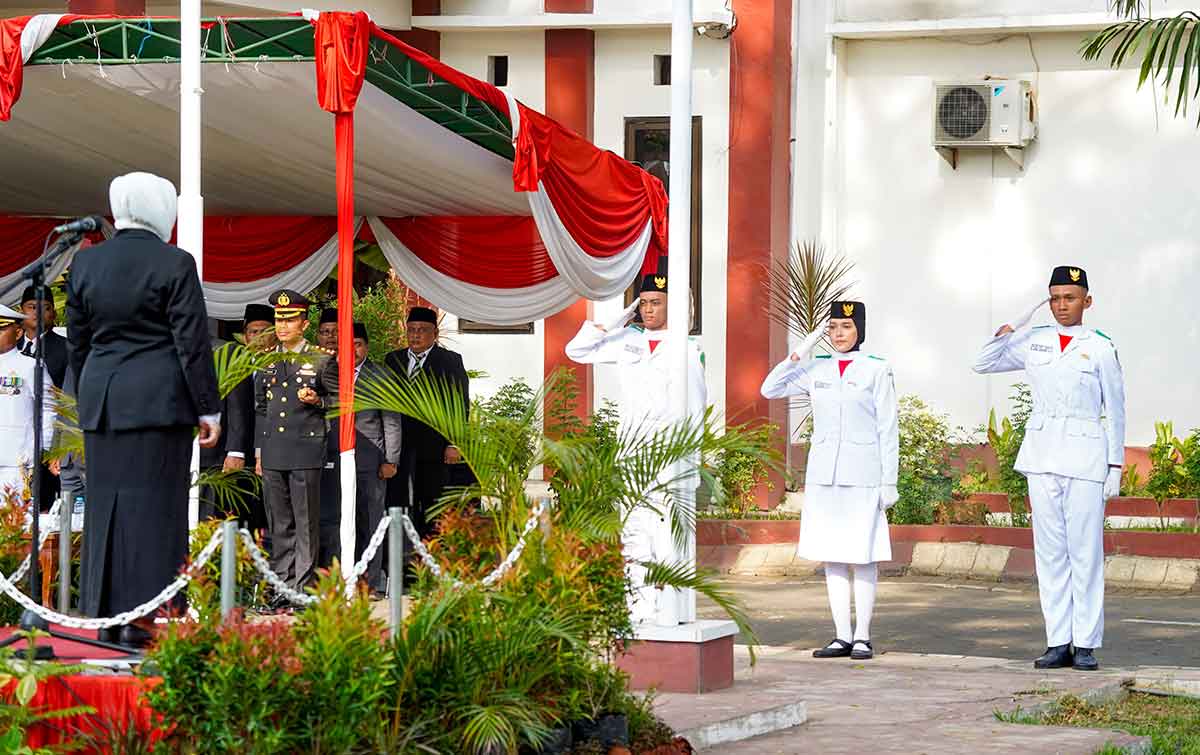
(191, 203)
(679, 253)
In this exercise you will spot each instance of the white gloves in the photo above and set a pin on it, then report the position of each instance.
(888, 496)
(810, 342)
(1112, 483)
(622, 319)
(1024, 319)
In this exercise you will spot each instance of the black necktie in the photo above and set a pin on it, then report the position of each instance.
(27, 349)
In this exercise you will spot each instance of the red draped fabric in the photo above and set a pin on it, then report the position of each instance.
(497, 252)
(342, 42)
(239, 249)
(116, 700)
(603, 200)
(21, 240)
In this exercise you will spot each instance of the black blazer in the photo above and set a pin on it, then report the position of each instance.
(55, 357)
(422, 442)
(137, 335)
(237, 427)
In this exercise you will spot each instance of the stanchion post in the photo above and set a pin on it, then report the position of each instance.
(229, 529)
(395, 571)
(65, 512)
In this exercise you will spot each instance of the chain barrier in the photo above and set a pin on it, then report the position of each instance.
(260, 561)
(363, 563)
(17, 575)
(496, 574)
(145, 609)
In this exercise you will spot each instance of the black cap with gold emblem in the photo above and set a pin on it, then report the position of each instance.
(654, 282)
(1066, 275)
(288, 304)
(851, 310)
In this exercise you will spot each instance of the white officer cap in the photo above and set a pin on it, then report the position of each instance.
(9, 316)
(145, 201)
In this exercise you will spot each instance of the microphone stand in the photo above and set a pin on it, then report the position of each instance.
(36, 275)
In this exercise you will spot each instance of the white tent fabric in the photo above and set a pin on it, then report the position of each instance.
(227, 301)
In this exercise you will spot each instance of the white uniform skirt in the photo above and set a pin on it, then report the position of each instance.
(843, 524)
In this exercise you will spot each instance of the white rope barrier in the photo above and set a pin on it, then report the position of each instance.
(368, 554)
(496, 574)
(260, 562)
(42, 537)
(145, 609)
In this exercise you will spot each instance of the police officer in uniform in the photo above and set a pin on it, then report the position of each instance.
(1071, 457)
(290, 400)
(852, 465)
(17, 407)
(642, 355)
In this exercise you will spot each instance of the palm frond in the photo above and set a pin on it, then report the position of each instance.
(68, 438)
(229, 491)
(800, 291)
(1160, 43)
(235, 362)
(704, 582)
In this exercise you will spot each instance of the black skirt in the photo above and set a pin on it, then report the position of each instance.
(135, 536)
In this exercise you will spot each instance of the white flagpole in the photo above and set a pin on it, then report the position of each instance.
(191, 202)
(680, 607)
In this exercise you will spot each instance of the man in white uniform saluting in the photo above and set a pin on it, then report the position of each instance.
(1071, 458)
(643, 356)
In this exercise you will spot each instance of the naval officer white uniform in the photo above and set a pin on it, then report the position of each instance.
(1072, 456)
(852, 465)
(642, 355)
(17, 406)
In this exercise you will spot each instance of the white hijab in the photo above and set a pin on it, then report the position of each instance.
(145, 201)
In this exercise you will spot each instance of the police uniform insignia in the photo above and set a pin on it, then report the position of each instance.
(10, 385)
(848, 310)
(284, 300)
(1074, 273)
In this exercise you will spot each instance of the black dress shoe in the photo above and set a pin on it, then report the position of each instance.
(862, 650)
(835, 649)
(133, 636)
(1084, 660)
(1058, 656)
(111, 635)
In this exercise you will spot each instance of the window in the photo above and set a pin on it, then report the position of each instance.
(662, 70)
(498, 70)
(471, 326)
(648, 145)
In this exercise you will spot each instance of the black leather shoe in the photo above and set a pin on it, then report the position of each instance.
(1085, 661)
(1058, 656)
(836, 649)
(862, 650)
(135, 637)
(111, 635)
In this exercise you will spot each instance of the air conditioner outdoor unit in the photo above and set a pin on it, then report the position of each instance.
(990, 113)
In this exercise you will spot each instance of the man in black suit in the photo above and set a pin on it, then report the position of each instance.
(237, 430)
(377, 449)
(55, 359)
(331, 476)
(137, 332)
(426, 456)
(289, 399)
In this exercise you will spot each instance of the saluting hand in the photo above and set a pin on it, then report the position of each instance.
(1014, 325)
(622, 319)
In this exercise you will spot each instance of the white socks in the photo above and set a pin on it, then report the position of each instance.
(837, 583)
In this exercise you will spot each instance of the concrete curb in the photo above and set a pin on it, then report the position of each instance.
(963, 560)
(747, 726)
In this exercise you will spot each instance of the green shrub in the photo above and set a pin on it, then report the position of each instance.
(924, 478)
(741, 472)
(1005, 439)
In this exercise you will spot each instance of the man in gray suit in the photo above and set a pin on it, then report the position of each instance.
(376, 456)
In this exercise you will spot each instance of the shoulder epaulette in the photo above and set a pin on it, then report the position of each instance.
(823, 356)
(1102, 333)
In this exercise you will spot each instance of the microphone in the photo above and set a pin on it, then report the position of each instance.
(82, 225)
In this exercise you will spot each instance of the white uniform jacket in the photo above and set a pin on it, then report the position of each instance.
(645, 376)
(856, 437)
(17, 408)
(1072, 391)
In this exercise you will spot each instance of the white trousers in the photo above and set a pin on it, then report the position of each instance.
(1068, 546)
(647, 537)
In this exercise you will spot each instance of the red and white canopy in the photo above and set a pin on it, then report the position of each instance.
(478, 234)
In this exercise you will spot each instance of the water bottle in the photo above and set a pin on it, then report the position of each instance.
(78, 507)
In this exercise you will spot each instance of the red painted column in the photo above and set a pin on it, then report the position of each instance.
(425, 40)
(759, 189)
(107, 7)
(570, 99)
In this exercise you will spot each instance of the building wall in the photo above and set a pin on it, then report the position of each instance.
(912, 10)
(945, 256)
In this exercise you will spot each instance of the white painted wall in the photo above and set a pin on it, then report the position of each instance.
(625, 89)
(490, 7)
(913, 10)
(945, 256)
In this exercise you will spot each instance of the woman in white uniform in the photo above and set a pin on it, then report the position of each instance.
(852, 461)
